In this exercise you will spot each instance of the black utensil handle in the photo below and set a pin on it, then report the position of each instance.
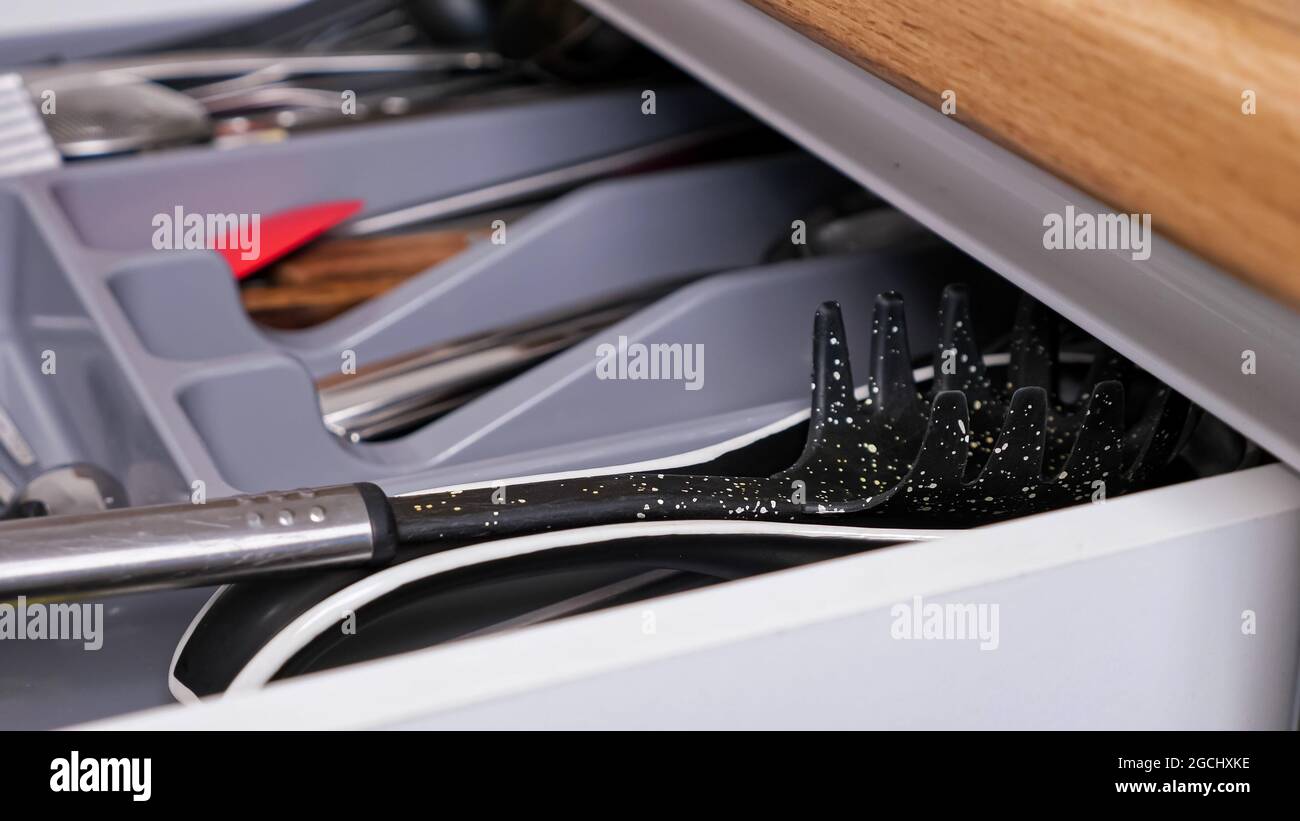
(510, 510)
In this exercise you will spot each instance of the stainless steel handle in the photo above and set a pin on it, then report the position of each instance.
(190, 544)
(432, 378)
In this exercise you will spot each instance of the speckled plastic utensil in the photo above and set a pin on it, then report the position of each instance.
(967, 452)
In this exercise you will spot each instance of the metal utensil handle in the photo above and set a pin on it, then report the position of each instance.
(437, 380)
(198, 64)
(185, 545)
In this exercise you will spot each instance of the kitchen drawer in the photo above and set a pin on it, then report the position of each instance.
(1128, 614)
(1173, 607)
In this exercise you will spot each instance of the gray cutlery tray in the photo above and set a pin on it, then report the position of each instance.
(162, 379)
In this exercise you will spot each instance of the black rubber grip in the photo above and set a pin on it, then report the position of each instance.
(383, 526)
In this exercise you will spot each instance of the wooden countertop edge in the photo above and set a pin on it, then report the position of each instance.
(1143, 106)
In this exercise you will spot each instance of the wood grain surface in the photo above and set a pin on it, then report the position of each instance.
(329, 276)
(1137, 102)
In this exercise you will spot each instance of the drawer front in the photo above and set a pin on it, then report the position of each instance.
(1170, 609)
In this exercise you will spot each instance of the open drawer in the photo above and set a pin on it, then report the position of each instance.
(1168, 585)
(1169, 607)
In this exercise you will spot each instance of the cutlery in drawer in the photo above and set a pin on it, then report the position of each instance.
(968, 450)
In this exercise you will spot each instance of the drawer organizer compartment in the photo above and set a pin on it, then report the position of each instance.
(164, 381)
(390, 166)
(214, 384)
(64, 391)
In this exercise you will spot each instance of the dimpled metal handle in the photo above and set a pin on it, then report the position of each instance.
(185, 545)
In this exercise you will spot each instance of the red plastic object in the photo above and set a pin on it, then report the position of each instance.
(278, 234)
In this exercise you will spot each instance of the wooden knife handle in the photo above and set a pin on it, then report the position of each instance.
(406, 254)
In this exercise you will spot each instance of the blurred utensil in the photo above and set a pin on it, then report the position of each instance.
(558, 38)
(309, 287)
(283, 232)
(266, 66)
(320, 24)
(70, 489)
(555, 38)
(78, 487)
(117, 106)
(298, 109)
(397, 394)
(545, 183)
(333, 275)
(113, 106)
(332, 259)
(104, 119)
(292, 307)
